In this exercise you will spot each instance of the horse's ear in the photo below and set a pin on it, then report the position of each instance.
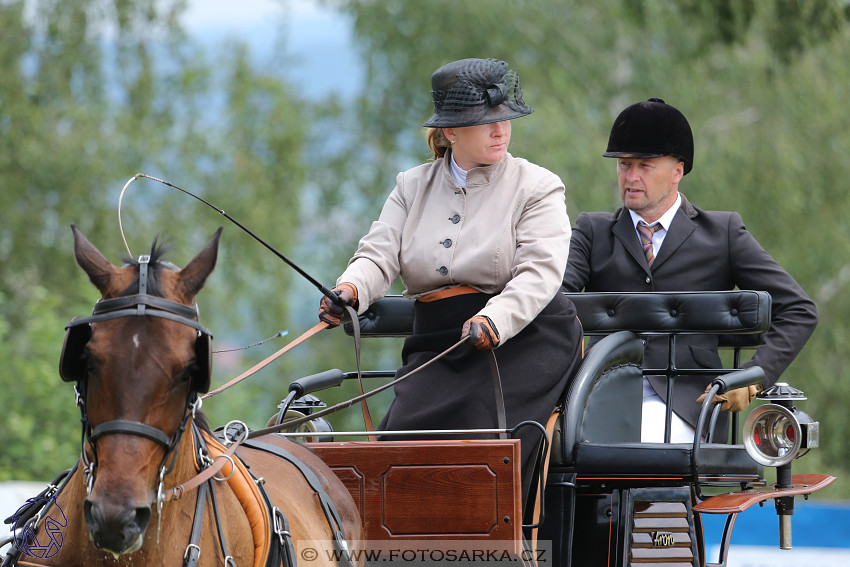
(92, 261)
(193, 276)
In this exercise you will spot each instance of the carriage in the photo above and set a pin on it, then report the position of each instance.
(595, 495)
(608, 499)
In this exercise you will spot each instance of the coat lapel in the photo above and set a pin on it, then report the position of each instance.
(624, 231)
(680, 230)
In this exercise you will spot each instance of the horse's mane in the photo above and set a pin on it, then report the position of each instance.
(157, 262)
(202, 422)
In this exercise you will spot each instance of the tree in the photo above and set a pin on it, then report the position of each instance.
(92, 92)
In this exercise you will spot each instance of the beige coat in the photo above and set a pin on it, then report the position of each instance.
(507, 233)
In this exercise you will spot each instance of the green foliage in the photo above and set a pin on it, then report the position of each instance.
(93, 92)
(40, 420)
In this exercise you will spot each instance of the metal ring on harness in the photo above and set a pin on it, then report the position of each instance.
(243, 433)
(232, 467)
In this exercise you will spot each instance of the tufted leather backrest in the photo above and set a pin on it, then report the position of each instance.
(703, 312)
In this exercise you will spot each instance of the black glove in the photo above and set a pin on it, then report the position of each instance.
(329, 312)
(482, 333)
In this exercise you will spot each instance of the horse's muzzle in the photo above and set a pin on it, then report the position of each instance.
(116, 530)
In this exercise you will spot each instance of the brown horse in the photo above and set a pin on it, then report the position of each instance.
(139, 363)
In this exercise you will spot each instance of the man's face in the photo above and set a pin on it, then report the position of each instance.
(649, 186)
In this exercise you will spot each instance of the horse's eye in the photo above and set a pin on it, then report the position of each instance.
(90, 364)
(190, 372)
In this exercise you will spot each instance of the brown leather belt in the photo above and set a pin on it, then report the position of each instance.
(448, 292)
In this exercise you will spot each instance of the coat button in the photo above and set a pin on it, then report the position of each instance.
(648, 279)
(455, 219)
(447, 242)
(443, 270)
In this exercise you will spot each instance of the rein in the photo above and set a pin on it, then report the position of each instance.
(500, 402)
(268, 360)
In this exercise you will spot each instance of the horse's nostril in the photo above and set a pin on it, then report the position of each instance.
(117, 532)
(91, 515)
(143, 516)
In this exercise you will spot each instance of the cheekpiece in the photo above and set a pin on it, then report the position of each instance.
(469, 92)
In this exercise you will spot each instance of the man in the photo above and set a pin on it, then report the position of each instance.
(659, 241)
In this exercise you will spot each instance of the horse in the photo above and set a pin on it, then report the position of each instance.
(139, 363)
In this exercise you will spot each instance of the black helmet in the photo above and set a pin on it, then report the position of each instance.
(652, 129)
(469, 92)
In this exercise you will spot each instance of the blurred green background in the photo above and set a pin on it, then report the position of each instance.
(92, 92)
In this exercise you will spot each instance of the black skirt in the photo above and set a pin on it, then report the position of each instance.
(457, 392)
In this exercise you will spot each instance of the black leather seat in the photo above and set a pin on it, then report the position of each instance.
(598, 431)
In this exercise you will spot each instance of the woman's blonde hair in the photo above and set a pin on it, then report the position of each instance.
(437, 141)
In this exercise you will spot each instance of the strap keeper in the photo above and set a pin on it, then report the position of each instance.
(193, 559)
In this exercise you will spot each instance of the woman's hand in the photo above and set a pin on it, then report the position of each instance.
(482, 333)
(332, 314)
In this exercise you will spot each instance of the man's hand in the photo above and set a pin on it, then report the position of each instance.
(329, 312)
(482, 333)
(734, 400)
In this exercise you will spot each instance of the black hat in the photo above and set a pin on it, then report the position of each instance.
(652, 129)
(475, 91)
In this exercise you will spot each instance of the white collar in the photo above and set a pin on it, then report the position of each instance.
(458, 174)
(665, 219)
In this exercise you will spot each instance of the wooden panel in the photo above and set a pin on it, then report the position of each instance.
(454, 490)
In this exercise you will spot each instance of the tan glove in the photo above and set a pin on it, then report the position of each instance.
(482, 333)
(329, 312)
(734, 400)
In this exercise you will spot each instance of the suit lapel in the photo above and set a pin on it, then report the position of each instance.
(624, 231)
(680, 230)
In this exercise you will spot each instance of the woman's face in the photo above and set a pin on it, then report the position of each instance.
(483, 144)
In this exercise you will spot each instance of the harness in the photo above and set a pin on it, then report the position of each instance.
(273, 541)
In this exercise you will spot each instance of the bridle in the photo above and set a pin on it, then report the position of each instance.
(71, 368)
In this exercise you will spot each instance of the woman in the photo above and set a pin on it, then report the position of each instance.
(480, 239)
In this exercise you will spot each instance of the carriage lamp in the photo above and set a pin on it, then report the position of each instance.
(775, 434)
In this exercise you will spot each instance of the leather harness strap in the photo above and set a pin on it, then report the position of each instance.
(227, 457)
(536, 519)
(500, 397)
(260, 365)
(328, 507)
(367, 416)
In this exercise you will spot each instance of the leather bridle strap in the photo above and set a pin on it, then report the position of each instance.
(131, 428)
(260, 365)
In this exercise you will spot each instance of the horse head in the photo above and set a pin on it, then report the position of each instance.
(139, 361)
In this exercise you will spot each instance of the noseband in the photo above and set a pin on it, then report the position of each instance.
(141, 304)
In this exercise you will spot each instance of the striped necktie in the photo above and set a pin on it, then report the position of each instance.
(646, 233)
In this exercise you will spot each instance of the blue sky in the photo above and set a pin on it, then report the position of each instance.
(315, 41)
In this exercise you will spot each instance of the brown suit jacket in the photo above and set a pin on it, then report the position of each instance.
(702, 251)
